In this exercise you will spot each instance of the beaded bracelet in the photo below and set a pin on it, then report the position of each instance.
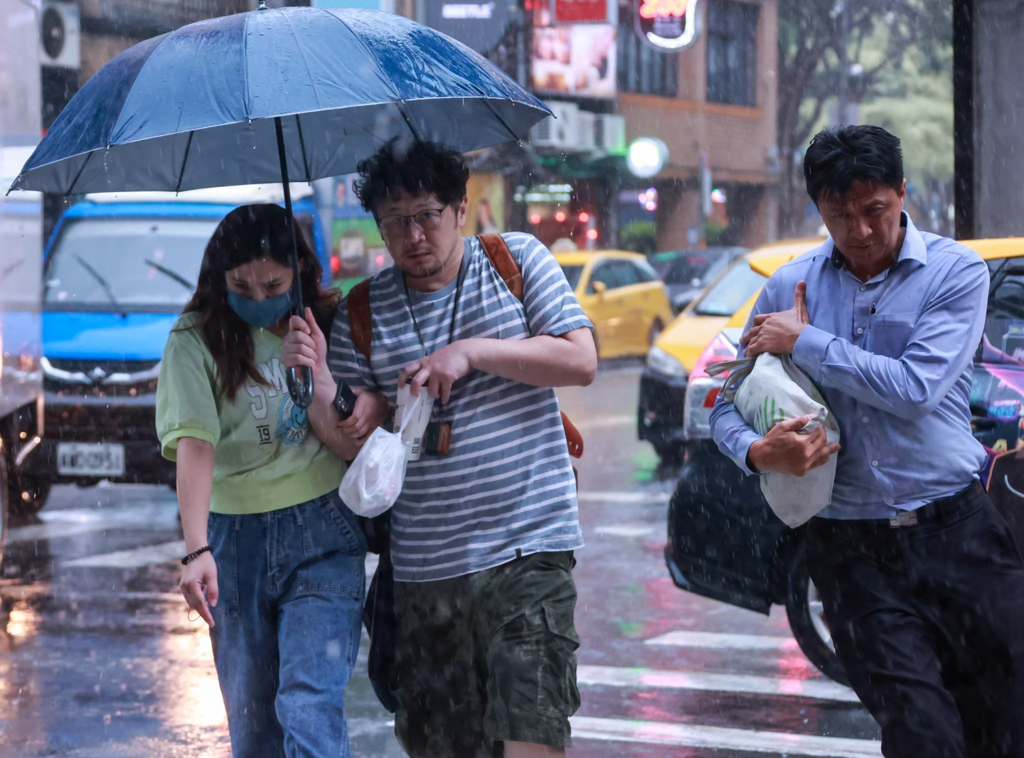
(192, 556)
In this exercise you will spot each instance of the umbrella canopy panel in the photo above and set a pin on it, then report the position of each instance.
(195, 108)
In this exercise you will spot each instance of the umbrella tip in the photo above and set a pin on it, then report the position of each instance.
(262, 5)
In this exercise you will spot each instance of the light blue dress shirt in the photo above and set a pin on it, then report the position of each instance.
(893, 358)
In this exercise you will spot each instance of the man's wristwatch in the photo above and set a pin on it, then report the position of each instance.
(344, 400)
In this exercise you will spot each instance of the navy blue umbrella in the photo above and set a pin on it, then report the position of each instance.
(259, 97)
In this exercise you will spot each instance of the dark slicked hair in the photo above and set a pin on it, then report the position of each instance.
(416, 167)
(836, 158)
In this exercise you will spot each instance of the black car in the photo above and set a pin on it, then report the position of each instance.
(726, 544)
(687, 272)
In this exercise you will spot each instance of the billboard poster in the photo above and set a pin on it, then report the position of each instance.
(581, 11)
(575, 59)
(667, 25)
(479, 26)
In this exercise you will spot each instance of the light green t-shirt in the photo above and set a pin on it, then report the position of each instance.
(267, 456)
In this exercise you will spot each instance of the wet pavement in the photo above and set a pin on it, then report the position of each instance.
(98, 657)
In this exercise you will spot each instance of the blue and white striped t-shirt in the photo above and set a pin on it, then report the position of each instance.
(507, 483)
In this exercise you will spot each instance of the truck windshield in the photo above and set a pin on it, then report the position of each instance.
(126, 264)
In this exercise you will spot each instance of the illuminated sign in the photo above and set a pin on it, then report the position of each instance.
(575, 59)
(667, 25)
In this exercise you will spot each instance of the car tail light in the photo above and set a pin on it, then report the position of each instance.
(335, 265)
(702, 390)
(719, 350)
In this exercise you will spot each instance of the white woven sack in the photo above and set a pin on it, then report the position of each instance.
(770, 389)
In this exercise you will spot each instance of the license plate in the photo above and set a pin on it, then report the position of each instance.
(104, 459)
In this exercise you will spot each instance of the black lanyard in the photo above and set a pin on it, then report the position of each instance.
(463, 268)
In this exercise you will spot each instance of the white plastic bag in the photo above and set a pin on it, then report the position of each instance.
(375, 478)
(770, 389)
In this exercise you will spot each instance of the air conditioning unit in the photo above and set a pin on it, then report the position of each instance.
(560, 132)
(61, 28)
(585, 141)
(610, 133)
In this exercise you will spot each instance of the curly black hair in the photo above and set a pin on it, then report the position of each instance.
(415, 167)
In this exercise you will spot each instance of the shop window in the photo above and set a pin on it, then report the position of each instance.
(642, 68)
(732, 52)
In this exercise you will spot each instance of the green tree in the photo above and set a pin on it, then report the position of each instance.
(877, 35)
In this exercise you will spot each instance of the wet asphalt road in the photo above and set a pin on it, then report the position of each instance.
(98, 658)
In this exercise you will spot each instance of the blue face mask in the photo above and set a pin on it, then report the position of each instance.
(262, 313)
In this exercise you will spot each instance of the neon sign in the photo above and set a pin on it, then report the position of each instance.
(667, 25)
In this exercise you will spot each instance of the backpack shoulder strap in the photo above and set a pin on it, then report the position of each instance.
(501, 258)
(360, 323)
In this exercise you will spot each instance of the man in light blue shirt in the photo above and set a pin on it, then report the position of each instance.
(922, 582)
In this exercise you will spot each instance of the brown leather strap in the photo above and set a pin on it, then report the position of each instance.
(501, 258)
(360, 323)
(572, 437)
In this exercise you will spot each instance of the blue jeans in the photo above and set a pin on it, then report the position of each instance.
(287, 626)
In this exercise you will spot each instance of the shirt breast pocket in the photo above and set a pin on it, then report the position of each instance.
(890, 333)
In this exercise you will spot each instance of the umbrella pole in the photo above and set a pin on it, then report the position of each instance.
(301, 389)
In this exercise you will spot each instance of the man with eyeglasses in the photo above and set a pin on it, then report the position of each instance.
(483, 533)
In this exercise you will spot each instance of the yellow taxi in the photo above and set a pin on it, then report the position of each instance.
(674, 354)
(623, 297)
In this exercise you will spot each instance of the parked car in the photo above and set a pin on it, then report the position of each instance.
(622, 295)
(687, 272)
(724, 541)
(117, 271)
(674, 353)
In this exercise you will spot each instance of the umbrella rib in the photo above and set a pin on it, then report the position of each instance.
(71, 189)
(487, 102)
(302, 146)
(181, 174)
(400, 104)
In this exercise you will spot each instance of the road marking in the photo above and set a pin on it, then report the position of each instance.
(608, 422)
(625, 530)
(725, 641)
(52, 530)
(614, 676)
(625, 498)
(137, 558)
(722, 738)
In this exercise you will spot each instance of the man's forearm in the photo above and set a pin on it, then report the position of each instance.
(542, 361)
(733, 435)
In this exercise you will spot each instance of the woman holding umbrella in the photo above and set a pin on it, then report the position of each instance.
(275, 559)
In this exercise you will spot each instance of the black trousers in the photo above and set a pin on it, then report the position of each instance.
(928, 621)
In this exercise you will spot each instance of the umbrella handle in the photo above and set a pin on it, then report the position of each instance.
(300, 385)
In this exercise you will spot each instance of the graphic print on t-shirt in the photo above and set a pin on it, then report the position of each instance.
(292, 421)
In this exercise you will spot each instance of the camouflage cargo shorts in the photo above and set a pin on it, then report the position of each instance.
(486, 658)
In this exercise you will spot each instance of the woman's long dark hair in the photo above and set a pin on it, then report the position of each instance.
(249, 233)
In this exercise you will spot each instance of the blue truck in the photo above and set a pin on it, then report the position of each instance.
(117, 271)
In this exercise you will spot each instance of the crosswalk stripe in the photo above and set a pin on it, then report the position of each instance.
(136, 558)
(626, 498)
(721, 738)
(725, 641)
(613, 676)
(608, 422)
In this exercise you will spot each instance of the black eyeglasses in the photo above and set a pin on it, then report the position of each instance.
(394, 226)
